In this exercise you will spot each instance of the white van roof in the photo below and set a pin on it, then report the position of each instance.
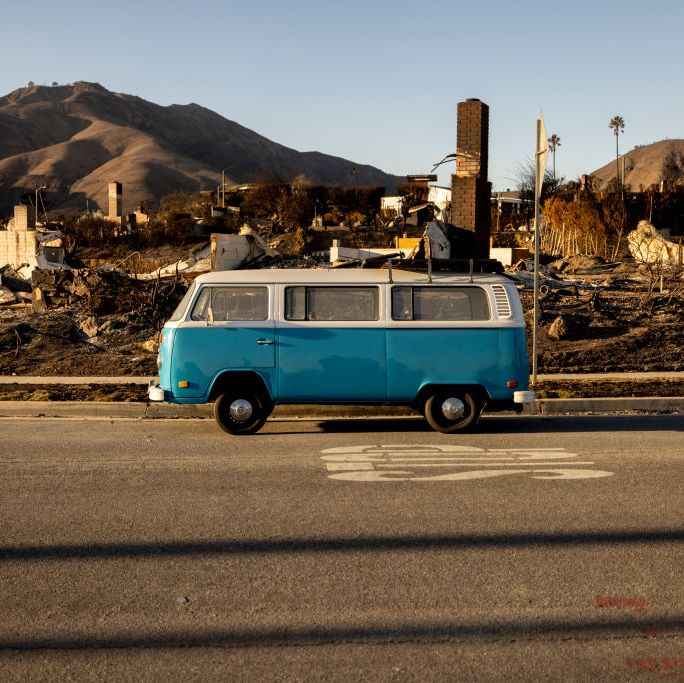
(343, 276)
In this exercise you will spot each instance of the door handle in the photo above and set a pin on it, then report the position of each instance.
(263, 342)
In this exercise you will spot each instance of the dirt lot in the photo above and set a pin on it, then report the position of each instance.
(609, 331)
(73, 392)
(55, 343)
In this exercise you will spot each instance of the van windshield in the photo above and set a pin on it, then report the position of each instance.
(180, 309)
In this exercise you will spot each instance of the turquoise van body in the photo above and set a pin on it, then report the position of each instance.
(392, 356)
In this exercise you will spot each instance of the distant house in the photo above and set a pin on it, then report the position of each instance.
(509, 210)
(437, 195)
(510, 198)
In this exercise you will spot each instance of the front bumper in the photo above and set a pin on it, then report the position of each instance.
(155, 392)
(523, 397)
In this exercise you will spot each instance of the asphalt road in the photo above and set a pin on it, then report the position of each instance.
(540, 548)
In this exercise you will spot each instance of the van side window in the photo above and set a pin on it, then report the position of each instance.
(440, 303)
(231, 303)
(332, 303)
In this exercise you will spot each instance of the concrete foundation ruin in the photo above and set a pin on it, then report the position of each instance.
(232, 251)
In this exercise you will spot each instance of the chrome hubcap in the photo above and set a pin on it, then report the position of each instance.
(453, 408)
(240, 410)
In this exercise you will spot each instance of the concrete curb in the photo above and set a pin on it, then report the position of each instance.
(112, 409)
(555, 406)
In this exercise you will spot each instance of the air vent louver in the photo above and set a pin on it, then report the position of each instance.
(503, 306)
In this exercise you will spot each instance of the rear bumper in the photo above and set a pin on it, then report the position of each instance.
(523, 397)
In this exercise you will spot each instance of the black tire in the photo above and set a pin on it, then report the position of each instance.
(236, 426)
(441, 423)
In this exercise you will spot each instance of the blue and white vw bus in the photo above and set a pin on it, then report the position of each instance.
(447, 344)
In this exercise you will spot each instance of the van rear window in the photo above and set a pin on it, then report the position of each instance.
(231, 303)
(332, 303)
(440, 303)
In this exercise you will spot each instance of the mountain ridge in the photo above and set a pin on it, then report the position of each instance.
(647, 165)
(77, 138)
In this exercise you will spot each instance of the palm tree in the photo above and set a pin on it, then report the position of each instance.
(554, 141)
(617, 123)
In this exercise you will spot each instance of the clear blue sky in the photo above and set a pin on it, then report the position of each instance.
(377, 82)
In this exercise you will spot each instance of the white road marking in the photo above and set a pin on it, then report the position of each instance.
(548, 456)
(574, 474)
(349, 466)
(405, 449)
(376, 463)
(480, 464)
(352, 457)
(536, 450)
(369, 476)
(472, 458)
(440, 449)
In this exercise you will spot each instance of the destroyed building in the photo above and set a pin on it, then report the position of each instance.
(24, 246)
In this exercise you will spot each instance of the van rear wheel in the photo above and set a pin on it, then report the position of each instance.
(452, 411)
(240, 412)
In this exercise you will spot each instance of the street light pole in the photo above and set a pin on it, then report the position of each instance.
(540, 159)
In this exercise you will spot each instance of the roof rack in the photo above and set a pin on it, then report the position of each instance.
(449, 265)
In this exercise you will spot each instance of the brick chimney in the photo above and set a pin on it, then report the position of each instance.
(470, 190)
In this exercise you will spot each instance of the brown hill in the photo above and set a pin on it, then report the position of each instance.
(77, 138)
(648, 165)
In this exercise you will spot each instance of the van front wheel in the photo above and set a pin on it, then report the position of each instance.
(448, 412)
(239, 412)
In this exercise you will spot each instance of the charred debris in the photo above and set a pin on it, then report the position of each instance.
(105, 320)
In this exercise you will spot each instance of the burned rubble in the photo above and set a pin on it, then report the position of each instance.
(608, 318)
(14, 288)
(595, 316)
(87, 322)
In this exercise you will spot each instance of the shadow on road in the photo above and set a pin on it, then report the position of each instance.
(536, 424)
(412, 543)
(269, 637)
